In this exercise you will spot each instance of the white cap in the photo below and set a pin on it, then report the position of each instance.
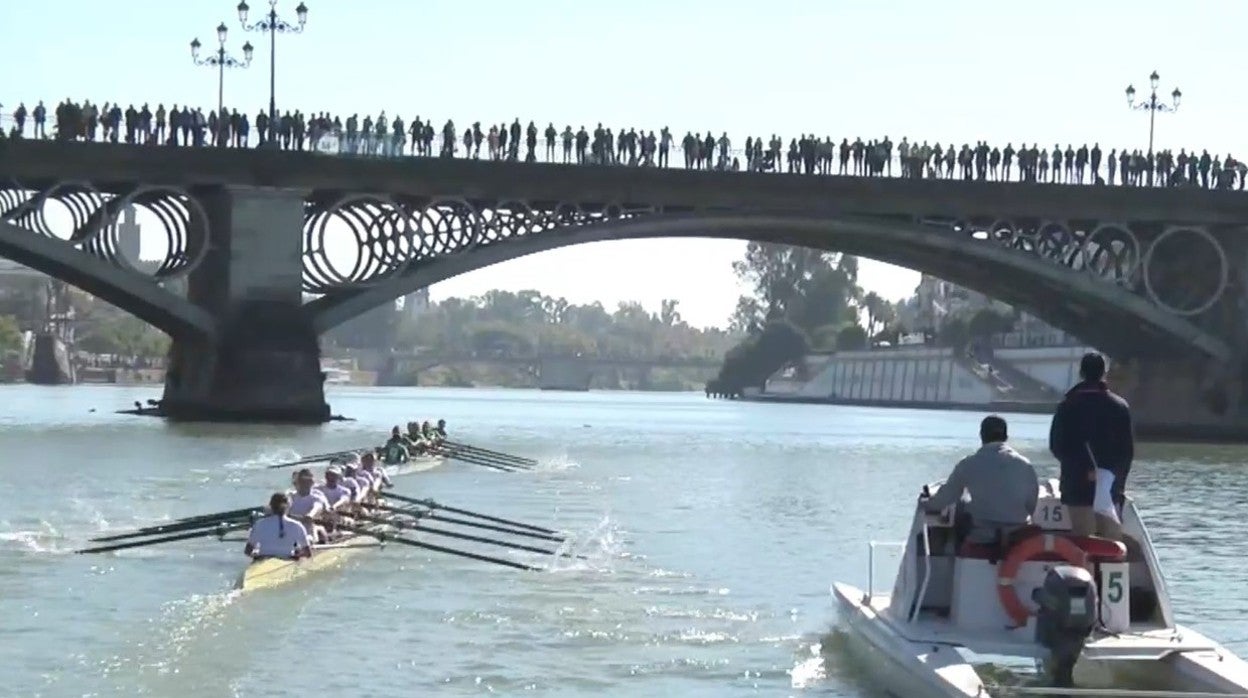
(334, 470)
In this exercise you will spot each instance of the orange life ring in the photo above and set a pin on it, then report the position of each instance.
(1029, 549)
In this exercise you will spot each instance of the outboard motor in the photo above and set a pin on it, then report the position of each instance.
(1067, 615)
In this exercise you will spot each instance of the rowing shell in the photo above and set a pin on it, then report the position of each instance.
(273, 571)
(419, 464)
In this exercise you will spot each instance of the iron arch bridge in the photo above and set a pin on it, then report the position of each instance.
(1132, 289)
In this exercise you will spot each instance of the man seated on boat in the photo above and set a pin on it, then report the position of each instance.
(368, 463)
(1001, 483)
(308, 505)
(430, 435)
(395, 449)
(416, 441)
(360, 484)
(441, 429)
(335, 492)
(278, 535)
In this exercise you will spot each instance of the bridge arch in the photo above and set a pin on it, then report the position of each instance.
(1108, 316)
(134, 293)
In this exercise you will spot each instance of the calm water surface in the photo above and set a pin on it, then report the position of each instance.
(713, 531)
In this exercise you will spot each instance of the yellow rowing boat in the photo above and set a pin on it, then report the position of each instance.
(275, 571)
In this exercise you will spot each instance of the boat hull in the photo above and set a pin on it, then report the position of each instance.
(272, 572)
(898, 666)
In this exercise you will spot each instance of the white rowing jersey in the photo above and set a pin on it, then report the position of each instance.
(365, 479)
(277, 536)
(379, 473)
(311, 504)
(333, 495)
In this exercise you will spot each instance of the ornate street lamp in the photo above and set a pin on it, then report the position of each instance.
(273, 25)
(221, 60)
(1152, 106)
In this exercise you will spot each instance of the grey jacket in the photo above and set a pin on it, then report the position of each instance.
(1002, 486)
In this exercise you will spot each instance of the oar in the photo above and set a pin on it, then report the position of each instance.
(496, 454)
(183, 524)
(464, 536)
(173, 528)
(448, 453)
(316, 459)
(437, 548)
(464, 522)
(518, 460)
(217, 531)
(434, 505)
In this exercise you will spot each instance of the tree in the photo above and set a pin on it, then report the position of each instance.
(987, 322)
(851, 338)
(668, 315)
(10, 335)
(809, 287)
(752, 361)
(954, 333)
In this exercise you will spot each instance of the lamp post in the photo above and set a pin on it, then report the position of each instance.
(1152, 106)
(221, 60)
(273, 25)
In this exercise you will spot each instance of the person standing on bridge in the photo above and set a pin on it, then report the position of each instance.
(1092, 430)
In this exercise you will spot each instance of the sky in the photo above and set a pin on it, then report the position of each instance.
(959, 70)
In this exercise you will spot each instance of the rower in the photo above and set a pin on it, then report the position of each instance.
(307, 504)
(396, 448)
(278, 535)
(368, 463)
(359, 485)
(441, 429)
(415, 440)
(336, 494)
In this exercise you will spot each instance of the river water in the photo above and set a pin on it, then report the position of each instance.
(713, 531)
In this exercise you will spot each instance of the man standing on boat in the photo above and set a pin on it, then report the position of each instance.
(1092, 429)
(1001, 483)
(278, 535)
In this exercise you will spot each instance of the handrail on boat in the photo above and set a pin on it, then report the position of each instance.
(1103, 692)
(927, 574)
(871, 546)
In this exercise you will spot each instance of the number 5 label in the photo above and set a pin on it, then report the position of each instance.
(1115, 596)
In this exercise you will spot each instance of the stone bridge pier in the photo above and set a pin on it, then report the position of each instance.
(262, 363)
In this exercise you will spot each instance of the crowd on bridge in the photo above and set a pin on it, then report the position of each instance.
(808, 154)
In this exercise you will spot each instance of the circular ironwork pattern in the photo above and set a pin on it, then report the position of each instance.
(1111, 252)
(377, 234)
(381, 237)
(1186, 270)
(89, 221)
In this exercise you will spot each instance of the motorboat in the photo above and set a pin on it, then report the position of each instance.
(1075, 616)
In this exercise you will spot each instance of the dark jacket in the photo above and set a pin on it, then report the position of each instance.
(1092, 418)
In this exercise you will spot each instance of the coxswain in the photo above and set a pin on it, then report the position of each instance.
(395, 449)
(336, 494)
(308, 505)
(278, 535)
(368, 463)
